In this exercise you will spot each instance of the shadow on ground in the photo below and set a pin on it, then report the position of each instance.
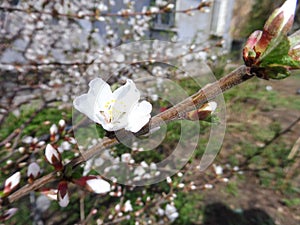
(220, 214)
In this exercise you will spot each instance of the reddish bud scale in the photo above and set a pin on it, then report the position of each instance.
(274, 26)
(82, 181)
(63, 188)
(202, 113)
(93, 184)
(198, 115)
(57, 163)
(52, 137)
(31, 178)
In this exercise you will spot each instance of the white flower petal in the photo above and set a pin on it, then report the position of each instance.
(27, 140)
(65, 145)
(173, 216)
(62, 123)
(212, 106)
(218, 169)
(139, 171)
(171, 212)
(127, 96)
(50, 152)
(98, 185)
(33, 170)
(63, 202)
(170, 209)
(128, 206)
(126, 157)
(288, 9)
(13, 180)
(53, 129)
(90, 103)
(160, 212)
(139, 116)
(8, 214)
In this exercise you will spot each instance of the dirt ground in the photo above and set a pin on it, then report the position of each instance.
(254, 204)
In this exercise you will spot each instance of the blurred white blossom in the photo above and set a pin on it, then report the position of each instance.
(12, 182)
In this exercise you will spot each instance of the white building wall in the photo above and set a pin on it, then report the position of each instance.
(190, 26)
(216, 22)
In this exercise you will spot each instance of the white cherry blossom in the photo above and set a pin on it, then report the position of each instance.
(171, 212)
(114, 110)
(128, 206)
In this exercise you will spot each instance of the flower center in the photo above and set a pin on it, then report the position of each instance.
(113, 110)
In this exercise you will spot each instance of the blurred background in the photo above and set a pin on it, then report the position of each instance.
(50, 50)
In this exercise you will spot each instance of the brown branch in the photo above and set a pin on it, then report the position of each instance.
(96, 15)
(209, 92)
(34, 186)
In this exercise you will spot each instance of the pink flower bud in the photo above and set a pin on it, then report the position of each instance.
(94, 184)
(33, 171)
(11, 182)
(53, 157)
(62, 194)
(278, 25)
(282, 19)
(250, 53)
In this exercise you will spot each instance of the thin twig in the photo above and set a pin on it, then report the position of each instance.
(269, 142)
(294, 150)
(97, 15)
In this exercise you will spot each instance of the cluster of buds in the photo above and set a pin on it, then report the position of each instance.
(91, 183)
(270, 52)
(54, 130)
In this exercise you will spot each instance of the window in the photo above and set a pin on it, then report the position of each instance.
(165, 21)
